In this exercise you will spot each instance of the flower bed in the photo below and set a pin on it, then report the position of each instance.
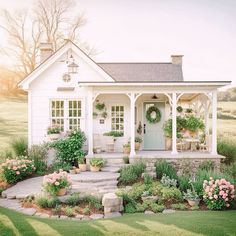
(15, 170)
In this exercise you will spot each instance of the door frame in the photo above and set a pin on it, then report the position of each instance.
(157, 101)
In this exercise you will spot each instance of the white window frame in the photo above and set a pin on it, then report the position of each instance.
(66, 117)
(119, 117)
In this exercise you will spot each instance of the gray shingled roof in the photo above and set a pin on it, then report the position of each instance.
(140, 72)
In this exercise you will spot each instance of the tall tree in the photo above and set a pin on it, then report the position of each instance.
(49, 21)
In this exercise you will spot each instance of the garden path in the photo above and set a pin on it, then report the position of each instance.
(96, 183)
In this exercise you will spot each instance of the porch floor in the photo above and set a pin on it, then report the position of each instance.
(161, 154)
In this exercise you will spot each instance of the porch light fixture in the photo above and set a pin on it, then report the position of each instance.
(72, 66)
(154, 96)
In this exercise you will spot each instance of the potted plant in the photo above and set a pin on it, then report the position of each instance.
(138, 141)
(179, 109)
(126, 148)
(104, 115)
(96, 164)
(192, 197)
(56, 183)
(193, 124)
(168, 133)
(82, 164)
(73, 170)
(100, 106)
(53, 132)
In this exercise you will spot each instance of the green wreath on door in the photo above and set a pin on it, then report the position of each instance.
(153, 115)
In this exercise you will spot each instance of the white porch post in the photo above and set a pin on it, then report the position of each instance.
(174, 125)
(132, 125)
(206, 117)
(214, 123)
(90, 123)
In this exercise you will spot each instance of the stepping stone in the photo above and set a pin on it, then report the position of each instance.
(63, 217)
(112, 215)
(96, 216)
(29, 211)
(168, 211)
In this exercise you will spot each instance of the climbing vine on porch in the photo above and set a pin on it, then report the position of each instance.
(153, 115)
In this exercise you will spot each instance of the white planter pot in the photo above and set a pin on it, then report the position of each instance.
(53, 136)
(193, 202)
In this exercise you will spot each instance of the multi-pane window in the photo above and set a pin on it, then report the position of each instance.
(74, 114)
(57, 114)
(117, 118)
(66, 114)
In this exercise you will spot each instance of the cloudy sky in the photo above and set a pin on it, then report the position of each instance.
(204, 31)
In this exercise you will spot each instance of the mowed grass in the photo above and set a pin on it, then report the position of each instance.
(13, 120)
(176, 224)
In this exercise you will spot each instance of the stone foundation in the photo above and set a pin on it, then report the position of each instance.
(181, 164)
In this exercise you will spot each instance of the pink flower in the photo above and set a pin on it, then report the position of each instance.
(57, 183)
(227, 205)
(215, 196)
(17, 172)
(221, 193)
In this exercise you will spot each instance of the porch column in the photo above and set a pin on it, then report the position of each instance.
(214, 123)
(132, 125)
(206, 117)
(90, 123)
(174, 125)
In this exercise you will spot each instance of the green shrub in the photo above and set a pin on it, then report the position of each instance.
(93, 201)
(140, 207)
(183, 182)
(179, 206)
(42, 202)
(171, 194)
(53, 202)
(97, 162)
(69, 211)
(130, 208)
(131, 174)
(148, 180)
(207, 165)
(126, 160)
(19, 146)
(61, 166)
(227, 148)
(73, 200)
(163, 167)
(230, 170)
(38, 153)
(156, 189)
(70, 149)
(156, 208)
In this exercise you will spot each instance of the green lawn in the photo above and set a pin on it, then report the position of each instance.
(179, 223)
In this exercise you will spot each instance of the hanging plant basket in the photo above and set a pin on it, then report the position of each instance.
(153, 115)
(100, 106)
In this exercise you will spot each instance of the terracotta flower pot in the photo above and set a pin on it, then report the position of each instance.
(77, 170)
(137, 146)
(73, 171)
(168, 143)
(95, 168)
(193, 202)
(82, 167)
(126, 150)
(62, 192)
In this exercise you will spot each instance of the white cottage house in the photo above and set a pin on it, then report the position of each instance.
(68, 87)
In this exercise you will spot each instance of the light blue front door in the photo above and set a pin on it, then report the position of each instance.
(153, 135)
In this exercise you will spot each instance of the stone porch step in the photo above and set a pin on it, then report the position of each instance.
(92, 177)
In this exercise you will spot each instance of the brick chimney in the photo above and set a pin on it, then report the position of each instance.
(45, 51)
(176, 59)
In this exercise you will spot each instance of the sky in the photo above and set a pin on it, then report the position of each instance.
(204, 31)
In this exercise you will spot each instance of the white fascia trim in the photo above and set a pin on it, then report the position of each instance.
(41, 68)
(215, 84)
